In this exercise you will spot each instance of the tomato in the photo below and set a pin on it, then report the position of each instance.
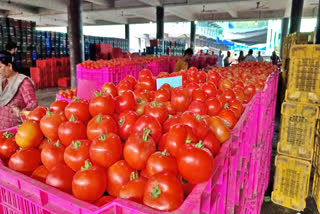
(198, 107)
(134, 189)
(89, 183)
(224, 84)
(237, 105)
(172, 120)
(195, 158)
(118, 175)
(167, 86)
(229, 94)
(145, 73)
(101, 103)
(43, 143)
(71, 130)
(161, 162)
(126, 123)
(247, 97)
(151, 123)
(101, 124)
(202, 76)
(170, 108)
(104, 200)
(164, 192)
(239, 94)
(124, 85)
(29, 134)
(125, 102)
(8, 146)
(180, 99)
(138, 148)
(52, 154)
(61, 177)
(40, 174)
(178, 135)
(210, 89)
(195, 121)
(157, 110)
(162, 95)
(76, 154)
(147, 83)
(187, 187)
(238, 83)
(141, 103)
(58, 106)
(25, 160)
(110, 88)
(162, 142)
(131, 80)
(191, 87)
(199, 94)
(251, 89)
(218, 128)
(214, 77)
(37, 114)
(79, 109)
(50, 123)
(214, 106)
(228, 117)
(211, 143)
(106, 150)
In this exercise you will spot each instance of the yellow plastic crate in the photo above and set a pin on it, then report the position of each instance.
(304, 74)
(291, 182)
(316, 189)
(297, 130)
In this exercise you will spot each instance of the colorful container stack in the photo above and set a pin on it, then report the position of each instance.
(299, 115)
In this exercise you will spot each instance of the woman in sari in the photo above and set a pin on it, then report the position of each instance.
(17, 93)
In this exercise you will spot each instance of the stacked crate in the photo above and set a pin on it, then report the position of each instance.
(299, 115)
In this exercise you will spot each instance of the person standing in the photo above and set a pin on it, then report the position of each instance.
(249, 57)
(241, 57)
(183, 63)
(11, 48)
(226, 60)
(274, 58)
(259, 58)
(220, 58)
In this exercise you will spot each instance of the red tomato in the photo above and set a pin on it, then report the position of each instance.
(214, 77)
(106, 150)
(123, 86)
(145, 73)
(61, 177)
(141, 103)
(89, 184)
(218, 128)
(210, 89)
(161, 162)
(202, 76)
(40, 174)
(101, 103)
(238, 83)
(211, 142)
(131, 80)
(162, 95)
(251, 89)
(236, 112)
(101, 124)
(37, 114)
(228, 117)
(214, 106)
(29, 134)
(164, 192)
(138, 148)
(76, 154)
(110, 88)
(8, 146)
(247, 97)
(167, 86)
(199, 94)
(170, 108)
(78, 108)
(229, 94)
(147, 83)
(104, 200)
(25, 160)
(118, 175)
(134, 189)
(157, 110)
(224, 84)
(151, 123)
(237, 105)
(52, 154)
(172, 120)
(239, 94)
(195, 121)
(71, 130)
(162, 142)
(180, 99)
(198, 107)
(194, 158)
(58, 106)
(125, 102)
(43, 143)
(50, 123)
(187, 187)
(126, 123)
(191, 87)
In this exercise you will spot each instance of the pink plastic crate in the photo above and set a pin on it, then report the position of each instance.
(59, 97)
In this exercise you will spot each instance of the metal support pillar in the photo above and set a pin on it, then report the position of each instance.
(160, 22)
(317, 30)
(127, 34)
(284, 32)
(296, 15)
(192, 35)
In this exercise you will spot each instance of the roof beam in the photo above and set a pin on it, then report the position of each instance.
(231, 10)
(147, 14)
(287, 12)
(154, 3)
(109, 3)
(58, 5)
(181, 13)
(17, 8)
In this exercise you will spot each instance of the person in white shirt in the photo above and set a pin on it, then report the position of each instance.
(249, 57)
(220, 58)
(259, 58)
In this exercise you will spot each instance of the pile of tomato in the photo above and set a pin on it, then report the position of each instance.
(68, 93)
(132, 141)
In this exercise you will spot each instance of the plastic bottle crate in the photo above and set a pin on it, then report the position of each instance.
(297, 130)
(304, 74)
(291, 182)
(316, 189)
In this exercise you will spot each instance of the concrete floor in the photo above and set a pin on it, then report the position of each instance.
(47, 96)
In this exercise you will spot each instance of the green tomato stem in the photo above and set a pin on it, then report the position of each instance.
(156, 191)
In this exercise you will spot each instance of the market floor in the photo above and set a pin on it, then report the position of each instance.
(47, 96)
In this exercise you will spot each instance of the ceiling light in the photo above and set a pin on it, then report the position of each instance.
(196, 22)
